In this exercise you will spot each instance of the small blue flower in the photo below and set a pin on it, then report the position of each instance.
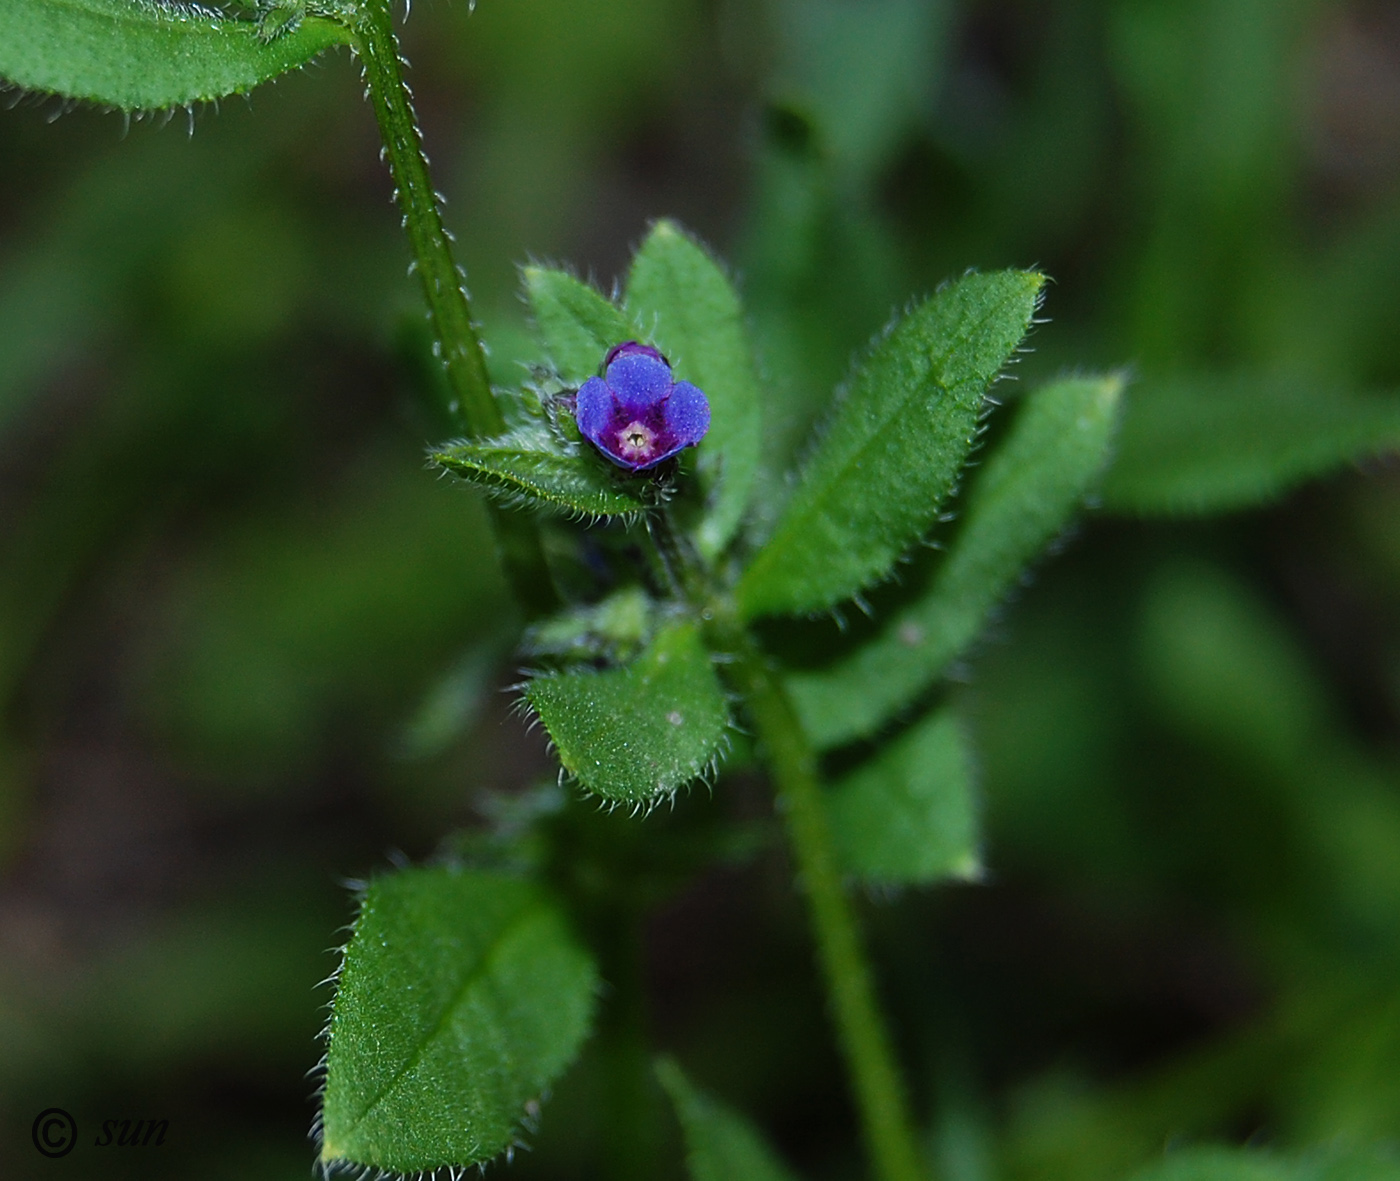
(636, 414)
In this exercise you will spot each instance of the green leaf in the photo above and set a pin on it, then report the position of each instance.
(641, 731)
(1026, 493)
(1208, 444)
(1336, 1161)
(908, 817)
(143, 55)
(687, 305)
(577, 325)
(892, 449)
(720, 1144)
(530, 467)
(615, 628)
(462, 996)
(1211, 1163)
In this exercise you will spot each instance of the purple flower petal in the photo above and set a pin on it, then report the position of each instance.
(639, 380)
(637, 415)
(687, 414)
(593, 407)
(631, 346)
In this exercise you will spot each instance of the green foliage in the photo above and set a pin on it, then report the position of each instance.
(576, 325)
(1219, 1163)
(909, 817)
(641, 731)
(143, 55)
(531, 466)
(1029, 489)
(684, 301)
(720, 1145)
(615, 629)
(462, 996)
(1195, 445)
(892, 450)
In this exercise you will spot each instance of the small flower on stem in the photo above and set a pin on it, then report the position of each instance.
(636, 413)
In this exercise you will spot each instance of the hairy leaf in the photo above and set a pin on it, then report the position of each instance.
(892, 449)
(1025, 494)
(720, 1145)
(1207, 444)
(685, 303)
(577, 325)
(462, 996)
(640, 731)
(530, 466)
(908, 817)
(147, 54)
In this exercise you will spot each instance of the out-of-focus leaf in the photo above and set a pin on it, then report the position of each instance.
(1218, 1164)
(615, 628)
(1028, 490)
(863, 73)
(1225, 669)
(530, 467)
(450, 706)
(637, 732)
(720, 1145)
(1339, 1162)
(908, 817)
(893, 447)
(462, 996)
(144, 54)
(577, 325)
(684, 302)
(1208, 444)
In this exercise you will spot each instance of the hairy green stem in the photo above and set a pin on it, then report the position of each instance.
(473, 407)
(879, 1093)
(865, 1041)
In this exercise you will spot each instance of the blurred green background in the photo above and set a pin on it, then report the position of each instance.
(250, 647)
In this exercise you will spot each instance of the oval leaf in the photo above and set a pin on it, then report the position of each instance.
(462, 996)
(529, 468)
(720, 1145)
(141, 55)
(891, 451)
(908, 817)
(641, 731)
(1024, 496)
(687, 305)
(576, 324)
(1209, 444)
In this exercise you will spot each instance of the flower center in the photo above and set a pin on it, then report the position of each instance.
(636, 442)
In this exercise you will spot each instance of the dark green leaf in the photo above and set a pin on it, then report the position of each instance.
(641, 731)
(720, 1145)
(685, 303)
(908, 816)
(1023, 498)
(892, 449)
(144, 54)
(462, 996)
(1208, 444)
(531, 467)
(576, 324)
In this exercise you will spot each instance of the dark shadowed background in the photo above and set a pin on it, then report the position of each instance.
(250, 647)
